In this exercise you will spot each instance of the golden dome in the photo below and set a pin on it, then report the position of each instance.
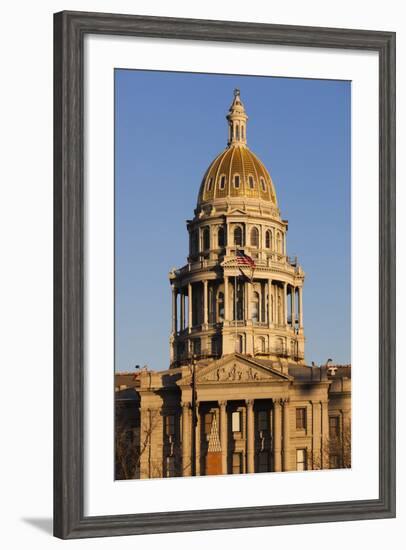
(237, 171)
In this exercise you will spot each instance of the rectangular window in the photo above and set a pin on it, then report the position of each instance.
(170, 424)
(237, 463)
(301, 418)
(263, 461)
(262, 421)
(334, 426)
(236, 421)
(170, 466)
(301, 460)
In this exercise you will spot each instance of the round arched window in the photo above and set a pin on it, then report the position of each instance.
(238, 236)
(263, 185)
(268, 239)
(254, 237)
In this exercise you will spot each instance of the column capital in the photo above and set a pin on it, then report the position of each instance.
(223, 404)
(186, 404)
(249, 402)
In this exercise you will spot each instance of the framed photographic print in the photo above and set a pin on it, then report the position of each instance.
(224, 275)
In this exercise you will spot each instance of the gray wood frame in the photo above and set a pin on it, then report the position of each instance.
(69, 31)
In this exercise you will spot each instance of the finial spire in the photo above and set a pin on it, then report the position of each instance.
(237, 121)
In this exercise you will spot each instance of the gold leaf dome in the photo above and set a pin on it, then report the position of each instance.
(237, 172)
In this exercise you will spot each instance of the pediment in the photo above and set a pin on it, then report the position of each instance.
(238, 211)
(236, 369)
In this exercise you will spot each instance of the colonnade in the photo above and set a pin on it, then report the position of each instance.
(274, 313)
(280, 436)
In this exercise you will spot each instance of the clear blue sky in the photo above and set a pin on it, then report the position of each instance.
(168, 128)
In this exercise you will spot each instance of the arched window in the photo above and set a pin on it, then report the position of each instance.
(242, 132)
(238, 236)
(280, 346)
(221, 237)
(261, 345)
(220, 307)
(222, 182)
(254, 237)
(237, 181)
(209, 184)
(268, 239)
(255, 307)
(238, 132)
(206, 238)
(251, 182)
(263, 184)
(279, 242)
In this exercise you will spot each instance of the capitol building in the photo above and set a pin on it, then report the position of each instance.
(238, 396)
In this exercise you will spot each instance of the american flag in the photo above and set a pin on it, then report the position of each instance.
(244, 259)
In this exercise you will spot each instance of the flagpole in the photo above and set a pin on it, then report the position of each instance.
(235, 310)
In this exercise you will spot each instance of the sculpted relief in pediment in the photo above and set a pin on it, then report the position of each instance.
(234, 373)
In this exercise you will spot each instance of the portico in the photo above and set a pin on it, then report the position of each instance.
(244, 433)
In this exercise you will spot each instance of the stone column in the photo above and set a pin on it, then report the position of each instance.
(186, 439)
(292, 307)
(198, 444)
(190, 307)
(226, 299)
(223, 436)
(205, 304)
(277, 436)
(315, 435)
(250, 436)
(286, 445)
(300, 307)
(285, 304)
(182, 310)
(324, 435)
(269, 312)
(174, 309)
(274, 292)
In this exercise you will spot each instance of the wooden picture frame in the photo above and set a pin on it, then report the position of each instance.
(69, 31)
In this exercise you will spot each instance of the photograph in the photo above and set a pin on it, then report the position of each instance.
(232, 274)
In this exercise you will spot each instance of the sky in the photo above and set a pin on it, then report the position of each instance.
(169, 126)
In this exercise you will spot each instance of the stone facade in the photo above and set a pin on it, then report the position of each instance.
(238, 396)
